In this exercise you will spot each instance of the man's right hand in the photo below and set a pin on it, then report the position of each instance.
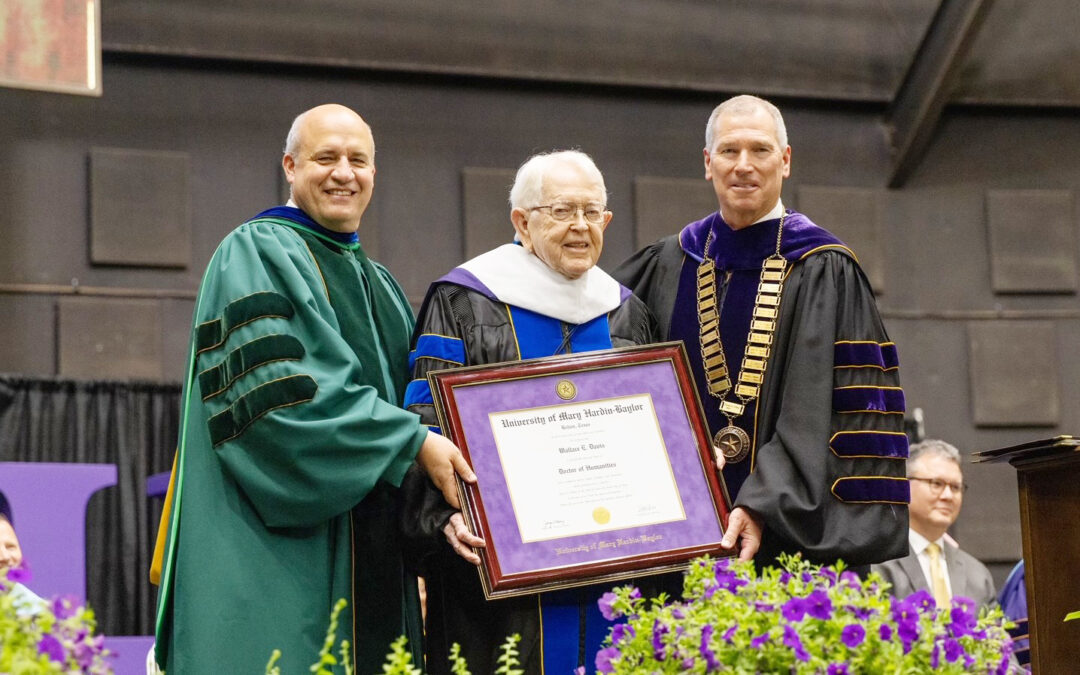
(441, 459)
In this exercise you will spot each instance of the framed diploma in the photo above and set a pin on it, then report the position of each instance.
(591, 467)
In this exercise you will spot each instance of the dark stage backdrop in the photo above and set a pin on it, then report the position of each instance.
(130, 424)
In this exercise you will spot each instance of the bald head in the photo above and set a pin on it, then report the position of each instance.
(292, 140)
(330, 165)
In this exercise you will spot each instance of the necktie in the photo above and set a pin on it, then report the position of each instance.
(937, 575)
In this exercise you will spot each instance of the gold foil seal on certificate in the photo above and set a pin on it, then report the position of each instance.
(601, 515)
(566, 390)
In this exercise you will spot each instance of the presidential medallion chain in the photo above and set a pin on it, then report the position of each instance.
(733, 441)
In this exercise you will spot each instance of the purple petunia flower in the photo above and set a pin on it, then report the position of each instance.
(791, 639)
(635, 593)
(729, 581)
(1002, 667)
(658, 632)
(84, 653)
(764, 607)
(65, 606)
(721, 565)
(818, 605)
(678, 613)
(604, 659)
(785, 577)
(885, 631)
(759, 640)
(935, 657)
(953, 650)
(853, 635)
(828, 575)
(849, 578)
(605, 604)
(861, 613)
(923, 601)
(963, 617)
(51, 647)
(837, 669)
(711, 662)
(806, 577)
(906, 616)
(794, 609)
(729, 634)
(20, 574)
(620, 632)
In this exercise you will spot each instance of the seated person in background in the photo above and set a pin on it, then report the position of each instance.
(539, 296)
(26, 601)
(1013, 601)
(933, 561)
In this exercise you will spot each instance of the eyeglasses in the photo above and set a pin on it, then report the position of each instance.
(937, 486)
(565, 212)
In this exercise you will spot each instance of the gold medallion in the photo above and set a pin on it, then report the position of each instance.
(733, 443)
(565, 390)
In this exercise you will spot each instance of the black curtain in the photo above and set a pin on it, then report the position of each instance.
(130, 424)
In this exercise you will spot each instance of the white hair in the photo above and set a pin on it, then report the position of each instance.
(528, 187)
(292, 140)
(742, 105)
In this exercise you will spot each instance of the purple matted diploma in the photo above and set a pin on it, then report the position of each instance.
(591, 467)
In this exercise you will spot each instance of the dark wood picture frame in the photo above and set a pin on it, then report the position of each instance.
(465, 398)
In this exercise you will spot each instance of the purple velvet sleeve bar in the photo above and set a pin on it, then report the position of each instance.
(868, 399)
(872, 490)
(866, 355)
(851, 444)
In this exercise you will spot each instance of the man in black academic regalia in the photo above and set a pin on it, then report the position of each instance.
(796, 373)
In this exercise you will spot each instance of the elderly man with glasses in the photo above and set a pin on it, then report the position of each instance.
(934, 562)
(540, 296)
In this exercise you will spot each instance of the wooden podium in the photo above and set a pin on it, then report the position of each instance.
(1048, 477)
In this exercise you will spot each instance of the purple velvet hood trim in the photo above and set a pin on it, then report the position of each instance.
(746, 248)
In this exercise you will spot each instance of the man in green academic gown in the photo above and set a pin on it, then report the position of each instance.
(292, 440)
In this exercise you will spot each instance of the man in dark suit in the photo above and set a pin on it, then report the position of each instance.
(934, 562)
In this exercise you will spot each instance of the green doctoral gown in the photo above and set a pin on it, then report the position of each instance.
(292, 446)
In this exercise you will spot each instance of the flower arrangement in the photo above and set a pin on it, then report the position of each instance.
(797, 618)
(46, 637)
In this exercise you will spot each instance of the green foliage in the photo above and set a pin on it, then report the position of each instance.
(457, 663)
(798, 619)
(327, 660)
(271, 665)
(399, 660)
(38, 637)
(509, 657)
